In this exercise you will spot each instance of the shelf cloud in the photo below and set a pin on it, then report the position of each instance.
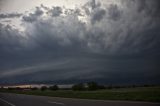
(108, 43)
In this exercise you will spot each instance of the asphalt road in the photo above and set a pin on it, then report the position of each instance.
(7, 99)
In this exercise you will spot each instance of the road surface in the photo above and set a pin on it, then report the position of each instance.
(7, 99)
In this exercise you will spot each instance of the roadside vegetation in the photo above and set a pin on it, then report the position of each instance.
(93, 90)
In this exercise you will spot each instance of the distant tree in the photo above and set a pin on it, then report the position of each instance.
(101, 87)
(34, 88)
(117, 87)
(109, 87)
(43, 88)
(9, 88)
(18, 88)
(133, 86)
(78, 87)
(1, 88)
(54, 87)
(146, 85)
(66, 88)
(92, 86)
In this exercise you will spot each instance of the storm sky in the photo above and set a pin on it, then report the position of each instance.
(69, 41)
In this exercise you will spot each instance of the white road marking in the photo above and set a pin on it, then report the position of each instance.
(58, 103)
(7, 102)
(117, 101)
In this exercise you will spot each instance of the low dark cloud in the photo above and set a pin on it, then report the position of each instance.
(33, 16)
(98, 15)
(114, 12)
(117, 43)
(10, 15)
(55, 11)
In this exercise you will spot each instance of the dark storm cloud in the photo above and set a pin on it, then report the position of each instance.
(93, 4)
(10, 15)
(33, 16)
(55, 11)
(119, 40)
(10, 39)
(98, 15)
(114, 12)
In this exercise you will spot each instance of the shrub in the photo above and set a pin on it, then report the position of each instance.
(101, 87)
(78, 87)
(92, 86)
(34, 88)
(54, 87)
(43, 88)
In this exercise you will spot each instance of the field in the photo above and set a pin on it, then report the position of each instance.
(151, 94)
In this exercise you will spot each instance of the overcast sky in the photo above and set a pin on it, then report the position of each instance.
(69, 41)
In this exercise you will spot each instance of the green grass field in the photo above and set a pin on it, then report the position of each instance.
(151, 94)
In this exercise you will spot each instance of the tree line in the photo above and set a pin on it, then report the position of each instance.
(90, 86)
(76, 87)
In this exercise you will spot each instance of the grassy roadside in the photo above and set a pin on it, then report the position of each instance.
(151, 94)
